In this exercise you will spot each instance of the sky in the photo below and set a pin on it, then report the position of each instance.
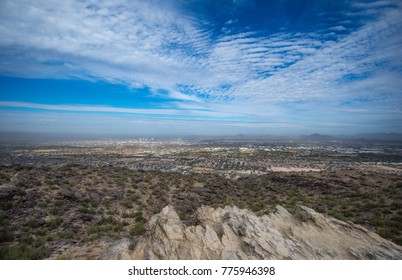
(201, 67)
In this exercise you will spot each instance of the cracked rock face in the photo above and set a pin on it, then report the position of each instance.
(233, 233)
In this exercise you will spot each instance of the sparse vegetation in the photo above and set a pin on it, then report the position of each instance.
(138, 229)
(23, 252)
(72, 204)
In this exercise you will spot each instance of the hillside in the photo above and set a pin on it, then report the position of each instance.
(78, 212)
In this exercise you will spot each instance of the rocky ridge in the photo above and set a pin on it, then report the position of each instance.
(233, 233)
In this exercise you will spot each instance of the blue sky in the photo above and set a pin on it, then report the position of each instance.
(201, 66)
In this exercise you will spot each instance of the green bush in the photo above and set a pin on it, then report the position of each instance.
(127, 203)
(54, 223)
(65, 235)
(86, 210)
(32, 223)
(54, 210)
(6, 205)
(138, 229)
(6, 236)
(23, 252)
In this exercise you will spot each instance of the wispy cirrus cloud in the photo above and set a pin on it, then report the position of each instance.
(199, 112)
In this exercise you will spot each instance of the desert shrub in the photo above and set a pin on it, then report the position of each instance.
(135, 198)
(32, 223)
(58, 203)
(385, 233)
(338, 216)
(54, 223)
(127, 215)
(65, 256)
(4, 177)
(21, 192)
(86, 210)
(36, 182)
(376, 220)
(6, 236)
(65, 235)
(42, 204)
(23, 252)
(138, 229)
(139, 217)
(54, 210)
(157, 210)
(395, 206)
(127, 203)
(21, 184)
(92, 230)
(107, 225)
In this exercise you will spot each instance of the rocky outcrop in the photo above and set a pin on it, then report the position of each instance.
(119, 250)
(232, 233)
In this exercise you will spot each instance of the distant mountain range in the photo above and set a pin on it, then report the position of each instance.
(381, 136)
(361, 136)
(29, 137)
(319, 137)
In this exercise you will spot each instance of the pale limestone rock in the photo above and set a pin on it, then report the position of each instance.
(120, 250)
(232, 233)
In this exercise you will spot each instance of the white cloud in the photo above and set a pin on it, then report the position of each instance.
(374, 4)
(231, 21)
(338, 28)
(193, 112)
(133, 36)
(151, 43)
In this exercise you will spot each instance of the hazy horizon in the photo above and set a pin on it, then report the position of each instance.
(227, 67)
(13, 137)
